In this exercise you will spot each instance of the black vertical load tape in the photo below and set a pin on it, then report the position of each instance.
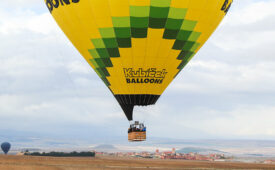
(127, 102)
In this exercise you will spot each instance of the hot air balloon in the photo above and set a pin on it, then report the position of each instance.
(138, 47)
(5, 147)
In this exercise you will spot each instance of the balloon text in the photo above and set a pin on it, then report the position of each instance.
(150, 75)
(226, 6)
(51, 4)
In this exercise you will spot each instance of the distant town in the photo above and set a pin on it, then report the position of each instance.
(217, 157)
(202, 151)
(172, 154)
(168, 155)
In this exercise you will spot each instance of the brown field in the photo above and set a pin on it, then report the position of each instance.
(51, 163)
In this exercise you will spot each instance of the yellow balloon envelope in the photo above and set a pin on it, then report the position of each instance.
(137, 47)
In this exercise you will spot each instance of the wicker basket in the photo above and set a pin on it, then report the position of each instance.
(137, 136)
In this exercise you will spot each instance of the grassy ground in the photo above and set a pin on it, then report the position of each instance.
(50, 163)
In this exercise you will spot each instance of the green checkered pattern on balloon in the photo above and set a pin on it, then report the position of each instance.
(157, 16)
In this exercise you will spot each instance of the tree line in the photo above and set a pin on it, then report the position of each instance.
(62, 154)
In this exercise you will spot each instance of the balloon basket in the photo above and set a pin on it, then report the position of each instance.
(137, 132)
(137, 136)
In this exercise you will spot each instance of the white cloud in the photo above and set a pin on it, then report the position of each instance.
(22, 21)
(22, 4)
(248, 27)
(221, 77)
(248, 13)
(246, 121)
(77, 67)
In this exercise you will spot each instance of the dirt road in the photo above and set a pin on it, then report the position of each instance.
(51, 163)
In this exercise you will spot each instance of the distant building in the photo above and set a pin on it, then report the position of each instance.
(174, 151)
(157, 151)
(269, 161)
(20, 153)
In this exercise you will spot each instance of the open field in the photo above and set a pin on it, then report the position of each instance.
(50, 163)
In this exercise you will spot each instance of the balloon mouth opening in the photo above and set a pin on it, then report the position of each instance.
(128, 102)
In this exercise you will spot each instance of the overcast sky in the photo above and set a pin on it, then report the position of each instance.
(226, 92)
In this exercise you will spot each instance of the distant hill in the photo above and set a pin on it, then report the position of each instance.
(105, 147)
(198, 150)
